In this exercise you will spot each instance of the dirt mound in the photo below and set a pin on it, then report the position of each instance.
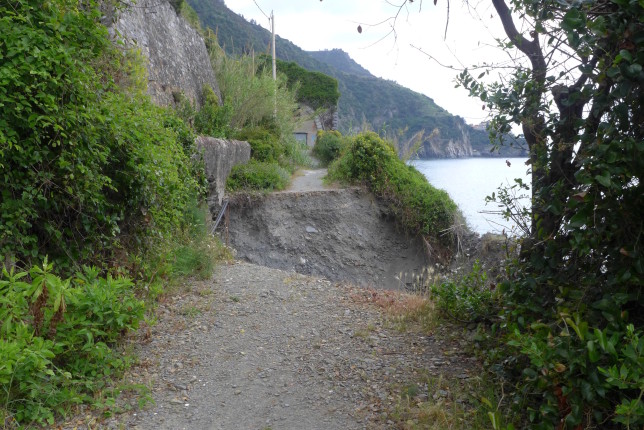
(342, 234)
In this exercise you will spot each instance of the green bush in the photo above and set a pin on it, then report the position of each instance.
(313, 88)
(468, 299)
(296, 154)
(253, 95)
(580, 372)
(195, 251)
(328, 146)
(82, 164)
(212, 119)
(264, 143)
(421, 208)
(57, 338)
(258, 175)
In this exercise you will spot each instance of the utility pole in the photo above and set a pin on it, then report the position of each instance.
(274, 64)
(273, 45)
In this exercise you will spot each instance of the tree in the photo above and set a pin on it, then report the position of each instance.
(579, 101)
(574, 299)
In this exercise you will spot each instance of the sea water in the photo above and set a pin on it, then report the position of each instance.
(469, 180)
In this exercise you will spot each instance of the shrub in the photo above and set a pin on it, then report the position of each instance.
(313, 88)
(328, 146)
(421, 208)
(296, 154)
(57, 338)
(264, 143)
(469, 299)
(82, 163)
(257, 175)
(252, 94)
(212, 119)
(195, 250)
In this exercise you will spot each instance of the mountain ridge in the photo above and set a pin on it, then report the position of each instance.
(366, 101)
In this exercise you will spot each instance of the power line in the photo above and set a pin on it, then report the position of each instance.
(260, 9)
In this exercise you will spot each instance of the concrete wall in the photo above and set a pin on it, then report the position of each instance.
(176, 54)
(220, 156)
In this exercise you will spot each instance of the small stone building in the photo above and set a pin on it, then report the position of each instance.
(310, 122)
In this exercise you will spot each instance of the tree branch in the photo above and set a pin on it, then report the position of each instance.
(531, 48)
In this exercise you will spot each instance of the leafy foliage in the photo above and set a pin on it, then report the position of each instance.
(57, 338)
(212, 119)
(258, 175)
(91, 172)
(195, 251)
(574, 316)
(77, 153)
(469, 299)
(329, 145)
(250, 93)
(315, 89)
(421, 208)
(265, 143)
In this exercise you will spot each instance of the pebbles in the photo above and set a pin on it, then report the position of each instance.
(292, 351)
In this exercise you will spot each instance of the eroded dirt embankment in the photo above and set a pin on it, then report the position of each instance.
(341, 234)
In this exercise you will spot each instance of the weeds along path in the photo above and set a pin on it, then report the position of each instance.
(260, 348)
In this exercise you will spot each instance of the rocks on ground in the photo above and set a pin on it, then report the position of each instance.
(340, 234)
(258, 348)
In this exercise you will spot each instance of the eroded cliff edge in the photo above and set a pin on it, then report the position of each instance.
(341, 234)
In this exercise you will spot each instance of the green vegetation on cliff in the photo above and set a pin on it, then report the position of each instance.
(98, 183)
(315, 89)
(419, 207)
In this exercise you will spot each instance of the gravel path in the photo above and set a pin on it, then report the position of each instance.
(308, 180)
(260, 348)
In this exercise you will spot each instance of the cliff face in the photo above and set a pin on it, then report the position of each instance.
(438, 147)
(176, 54)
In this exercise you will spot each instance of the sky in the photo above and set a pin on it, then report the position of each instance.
(402, 55)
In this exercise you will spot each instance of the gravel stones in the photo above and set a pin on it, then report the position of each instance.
(258, 348)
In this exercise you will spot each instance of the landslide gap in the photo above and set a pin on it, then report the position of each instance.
(340, 234)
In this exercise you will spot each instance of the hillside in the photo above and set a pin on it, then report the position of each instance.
(365, 99)
(341, 61)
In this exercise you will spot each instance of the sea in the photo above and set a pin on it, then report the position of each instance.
(469, 180)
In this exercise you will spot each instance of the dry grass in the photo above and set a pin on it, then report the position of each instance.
(394, 303)
(402, 310)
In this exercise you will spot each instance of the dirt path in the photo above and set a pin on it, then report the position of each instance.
(308, 180)
(260, 348)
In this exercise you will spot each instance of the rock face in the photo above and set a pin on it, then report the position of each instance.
(176, 54)
(219, 156)
(437, 147)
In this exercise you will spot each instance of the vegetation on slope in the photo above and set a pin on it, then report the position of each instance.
(366, 102)
(419, 207)
(99, 184)
(314, 89)
(86, 167)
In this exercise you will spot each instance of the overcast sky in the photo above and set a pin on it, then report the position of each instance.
(327, 24)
